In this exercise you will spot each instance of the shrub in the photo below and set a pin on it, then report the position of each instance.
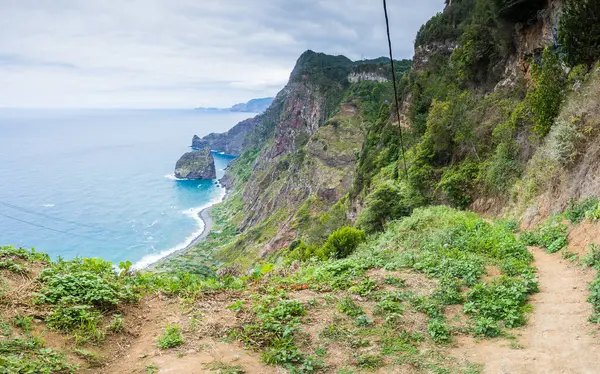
(171, 338)
(457, 184)
(593, 213)
(341, 243)
(579, 31)
(577, 209)
(594, 298)
(550, 235)
(79, 317)
(78, 288)
(384, 204)
(563, 143)
(301, 251)
(502, 168)
(592, 257)
(547, 93)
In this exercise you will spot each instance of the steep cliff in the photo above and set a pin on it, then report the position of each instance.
(484, 93)
(230, 142)
(301, 154)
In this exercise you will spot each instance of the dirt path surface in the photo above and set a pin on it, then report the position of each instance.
(557, 338)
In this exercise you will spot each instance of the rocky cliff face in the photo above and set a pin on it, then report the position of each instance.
(230, 142)
(305, 149)
(198, 164)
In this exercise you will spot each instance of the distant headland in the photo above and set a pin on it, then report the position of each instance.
(252, 106)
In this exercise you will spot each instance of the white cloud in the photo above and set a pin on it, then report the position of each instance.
(181, 53)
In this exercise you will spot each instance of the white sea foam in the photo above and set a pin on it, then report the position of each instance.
(48, 205)
(195, 214)
(173, 177)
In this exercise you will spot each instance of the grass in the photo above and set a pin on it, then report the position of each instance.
(29, 355)
(219, 367)
(382, 320)
(93, 359)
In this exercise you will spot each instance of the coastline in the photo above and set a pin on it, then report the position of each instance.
(205, 217)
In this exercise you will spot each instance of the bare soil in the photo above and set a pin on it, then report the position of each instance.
(557, 338)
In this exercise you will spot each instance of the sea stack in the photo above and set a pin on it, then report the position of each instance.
(198, 164)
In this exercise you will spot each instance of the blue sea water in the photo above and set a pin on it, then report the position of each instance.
(98, 183)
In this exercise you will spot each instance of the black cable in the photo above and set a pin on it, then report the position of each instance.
(54, 218)
(48, 228)
(387, 25)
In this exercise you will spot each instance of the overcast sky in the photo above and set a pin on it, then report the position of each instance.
(182, 53)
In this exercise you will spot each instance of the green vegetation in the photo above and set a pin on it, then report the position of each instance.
(577, 210)
(223, 368)
(341, 243)
(592, 257)
(29, 355)
(579, 31)
(16, 260)
(171, 338)
(384, 204)
(551, 235)
(375, 269)
(93, 359)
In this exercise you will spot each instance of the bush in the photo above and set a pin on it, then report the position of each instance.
(384, 204)
(171, 338)
(593, 213)
(592, 257)
(579, 31)
(577, 209)
(550, 235)
(301, 251)
(80, 317)
(341, 243)
(457, 184)
(547, 93)
(594, 298)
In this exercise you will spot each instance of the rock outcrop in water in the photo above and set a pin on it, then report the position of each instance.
(198, 164)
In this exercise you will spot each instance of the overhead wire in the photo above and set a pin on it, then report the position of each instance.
(29, 211)
(387, 25)
(47, 228)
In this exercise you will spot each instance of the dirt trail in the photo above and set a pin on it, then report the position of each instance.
(558, 337)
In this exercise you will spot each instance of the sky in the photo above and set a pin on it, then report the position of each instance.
(182, 53)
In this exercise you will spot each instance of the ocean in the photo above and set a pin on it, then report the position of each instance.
(99, 183)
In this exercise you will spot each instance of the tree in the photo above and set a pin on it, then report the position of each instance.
(579, 31)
